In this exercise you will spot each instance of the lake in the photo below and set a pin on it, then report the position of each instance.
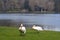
(51, 20)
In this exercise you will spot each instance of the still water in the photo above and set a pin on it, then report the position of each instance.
(52, 20)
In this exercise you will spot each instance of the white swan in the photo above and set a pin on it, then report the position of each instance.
(22, 29)
(38, 28)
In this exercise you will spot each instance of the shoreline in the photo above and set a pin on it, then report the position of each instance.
(36, 12)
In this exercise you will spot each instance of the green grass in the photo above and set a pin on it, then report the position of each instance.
(12, 33)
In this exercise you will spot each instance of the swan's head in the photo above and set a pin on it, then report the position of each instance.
(34, 25)
(21, 24)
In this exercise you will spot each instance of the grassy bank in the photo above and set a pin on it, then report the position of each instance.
(12, 33)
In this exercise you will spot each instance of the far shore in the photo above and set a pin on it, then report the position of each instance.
(31, 12)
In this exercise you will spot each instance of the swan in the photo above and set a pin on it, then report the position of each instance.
(22, 29)
(38, 28)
